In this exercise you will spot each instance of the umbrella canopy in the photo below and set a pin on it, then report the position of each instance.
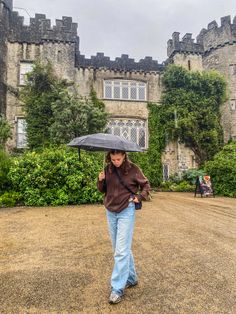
(104, 142)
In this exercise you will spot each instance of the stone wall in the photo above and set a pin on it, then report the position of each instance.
(189, 61)
(4, 26)
(178, 157)
(219, 44)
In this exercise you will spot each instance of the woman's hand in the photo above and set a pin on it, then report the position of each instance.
(135, 199)
(101, 176)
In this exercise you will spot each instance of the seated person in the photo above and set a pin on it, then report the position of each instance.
(206, 185)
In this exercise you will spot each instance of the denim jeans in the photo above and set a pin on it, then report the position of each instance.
(121, 226)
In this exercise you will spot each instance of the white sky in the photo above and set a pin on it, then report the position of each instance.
(134, 27)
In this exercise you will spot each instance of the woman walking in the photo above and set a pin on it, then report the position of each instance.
(120, 182)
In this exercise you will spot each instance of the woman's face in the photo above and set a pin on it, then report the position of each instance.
(117, 159)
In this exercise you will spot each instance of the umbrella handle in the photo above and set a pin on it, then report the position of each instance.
(104, 161)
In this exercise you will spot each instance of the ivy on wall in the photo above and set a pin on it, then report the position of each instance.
(192, 102)
(189, 112)
(150, 161)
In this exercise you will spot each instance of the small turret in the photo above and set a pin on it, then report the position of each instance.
(186, 45)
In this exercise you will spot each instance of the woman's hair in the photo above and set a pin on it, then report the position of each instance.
(125, 165)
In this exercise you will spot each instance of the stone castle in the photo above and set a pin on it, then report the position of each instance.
(125, 86)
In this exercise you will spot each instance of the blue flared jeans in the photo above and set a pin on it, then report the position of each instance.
(121, 227)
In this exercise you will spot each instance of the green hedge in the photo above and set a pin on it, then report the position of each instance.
(54, 176)
(222, 170)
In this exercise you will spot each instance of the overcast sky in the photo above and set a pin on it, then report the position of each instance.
(134, 27)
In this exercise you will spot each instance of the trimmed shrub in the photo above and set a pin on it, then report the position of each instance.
(170, 186)
(222, 170)
(56, 176)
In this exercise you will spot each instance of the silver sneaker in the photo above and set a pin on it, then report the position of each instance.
(114, 298)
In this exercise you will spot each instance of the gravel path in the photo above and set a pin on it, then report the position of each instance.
(59, 259)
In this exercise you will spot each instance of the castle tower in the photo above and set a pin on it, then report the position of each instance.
(5, 8)
(219, 44)
(186, 52)
(20, 46)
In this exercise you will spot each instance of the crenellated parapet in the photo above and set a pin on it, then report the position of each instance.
(40, 30)
(186, 45)
(7, 3)
(123, 63)
(217, 36)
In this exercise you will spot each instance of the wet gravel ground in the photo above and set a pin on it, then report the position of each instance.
(59, 259)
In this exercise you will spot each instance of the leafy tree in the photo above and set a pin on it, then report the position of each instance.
(75, 116)
(53, 114)
(150, 161)
(42, 89)
(5, 131)
(191, 113)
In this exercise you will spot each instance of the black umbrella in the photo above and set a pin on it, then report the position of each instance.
(104, 142)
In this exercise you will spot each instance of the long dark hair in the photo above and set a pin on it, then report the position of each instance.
(125, 166)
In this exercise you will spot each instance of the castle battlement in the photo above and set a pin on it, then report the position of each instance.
(186, 45)
(7, 3)
(123, 63)
(39, 30)
(217, 36)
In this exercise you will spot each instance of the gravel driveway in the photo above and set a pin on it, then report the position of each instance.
(59, 259)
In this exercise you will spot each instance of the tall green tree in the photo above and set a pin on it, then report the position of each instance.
(191, 109)
(75, 116)
(54, 115)
(41, 90)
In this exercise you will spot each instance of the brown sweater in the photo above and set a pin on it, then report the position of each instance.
(116, 195)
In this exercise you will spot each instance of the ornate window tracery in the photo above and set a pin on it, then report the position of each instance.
(130, 129)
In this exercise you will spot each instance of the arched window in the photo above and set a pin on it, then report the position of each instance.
(131, 129)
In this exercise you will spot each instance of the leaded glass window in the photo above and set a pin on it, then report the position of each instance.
(131, 129)
(21, 140)
(126, 90)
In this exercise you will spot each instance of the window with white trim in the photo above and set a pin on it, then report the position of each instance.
(25, 67)
(21, 135)
(131, 129)
(125, 90)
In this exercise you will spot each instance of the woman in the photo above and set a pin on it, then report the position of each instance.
(119, 178)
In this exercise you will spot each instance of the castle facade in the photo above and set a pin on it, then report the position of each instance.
(124, 85)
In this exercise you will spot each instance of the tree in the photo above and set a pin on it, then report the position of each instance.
(5, 131)
(41, 90)
(53, 113)
(75, 116)
(191, 109)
